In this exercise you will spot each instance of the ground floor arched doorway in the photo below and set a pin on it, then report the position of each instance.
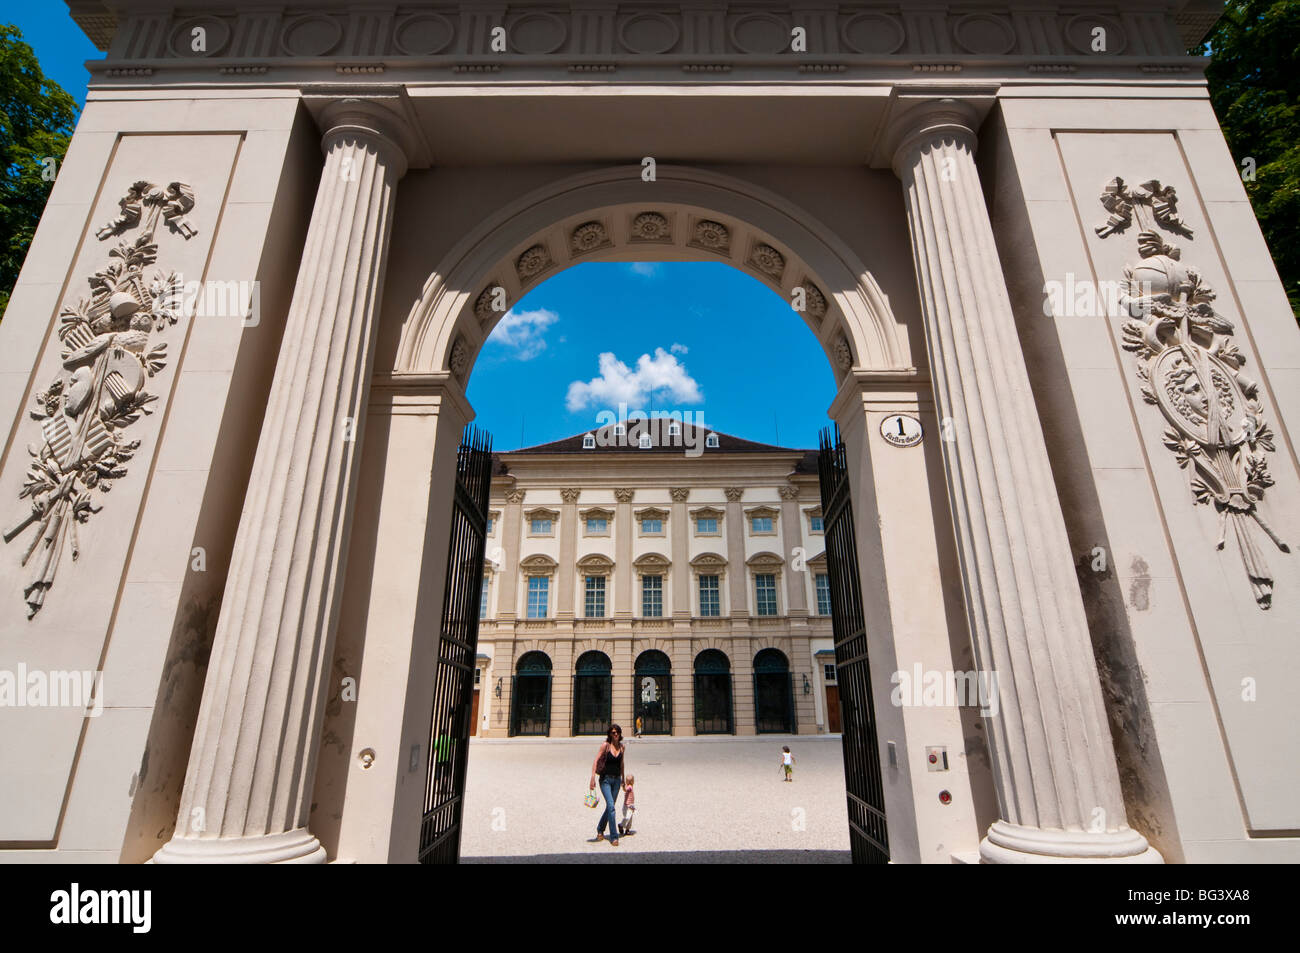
(773, 693)
(593, 684)
(714, 708)
(531, 706)
(652, 693)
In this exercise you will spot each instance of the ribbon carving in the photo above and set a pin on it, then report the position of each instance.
(1191, 369)
(108, 353)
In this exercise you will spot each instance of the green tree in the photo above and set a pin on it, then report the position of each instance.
(1254, 78)
(36, 120)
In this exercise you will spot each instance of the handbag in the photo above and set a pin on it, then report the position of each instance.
(590, 799)
(600, 762)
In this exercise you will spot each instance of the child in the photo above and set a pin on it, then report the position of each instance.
(629, 805)
(787, 763)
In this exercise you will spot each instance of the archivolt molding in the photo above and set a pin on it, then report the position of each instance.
(596, 564)
(538, 565)
(652, 564)
(688, 215)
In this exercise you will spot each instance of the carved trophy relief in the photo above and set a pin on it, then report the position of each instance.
(1191, 369)
(108, 353)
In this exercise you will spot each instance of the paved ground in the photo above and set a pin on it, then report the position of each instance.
(699, 800)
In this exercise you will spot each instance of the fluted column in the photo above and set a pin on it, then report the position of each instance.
(1054, 764)
(248, 786)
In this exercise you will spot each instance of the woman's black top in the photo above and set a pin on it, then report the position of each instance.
(613, 764)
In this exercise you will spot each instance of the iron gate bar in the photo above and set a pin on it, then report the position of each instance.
(453, 690)
(864, 785)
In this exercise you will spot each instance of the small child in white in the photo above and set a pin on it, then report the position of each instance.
(629, 805)
(787, 763)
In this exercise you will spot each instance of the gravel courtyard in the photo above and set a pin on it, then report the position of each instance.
(699, 800)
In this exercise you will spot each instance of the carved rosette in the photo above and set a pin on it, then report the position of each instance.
(1191, 369)
(483, 304)
(588, 237)
(711, 235)
(767, 260)
(533, 262)
(651, 227)
(108, 353)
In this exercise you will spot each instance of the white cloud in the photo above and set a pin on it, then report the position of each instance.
(679, 348)
(660, 375)
(645, 269)
(523, 332)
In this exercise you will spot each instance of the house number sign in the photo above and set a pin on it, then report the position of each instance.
(901, 430)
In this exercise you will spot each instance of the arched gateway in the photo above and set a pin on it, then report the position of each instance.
(1016, 514)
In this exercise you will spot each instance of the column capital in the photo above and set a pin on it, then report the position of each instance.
(382, 118)
(925, 116)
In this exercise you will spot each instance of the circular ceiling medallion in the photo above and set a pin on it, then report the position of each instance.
(648, 33)
(423, 34)
(200, 36)
(1081, 33)
(311, 36)
(760, 33)
(873, 33)
(984, 34)
(537, 33)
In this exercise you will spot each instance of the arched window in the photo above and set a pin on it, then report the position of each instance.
(773, 693)
(588, 442)
(593, 693)
(714, 714)
(531, 701)
(652, 694)
(711, 440)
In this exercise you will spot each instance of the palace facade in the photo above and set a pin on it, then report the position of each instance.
(633, 579)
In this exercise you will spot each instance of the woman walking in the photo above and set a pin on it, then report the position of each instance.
(608, 768)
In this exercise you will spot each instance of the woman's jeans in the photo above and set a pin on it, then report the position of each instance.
(610, 788)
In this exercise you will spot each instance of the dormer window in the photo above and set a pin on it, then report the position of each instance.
(619, 430)
(711, 440)
(588, 442)
(674, 429)
(644, 442)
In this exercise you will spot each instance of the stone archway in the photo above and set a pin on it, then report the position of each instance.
(304, 524)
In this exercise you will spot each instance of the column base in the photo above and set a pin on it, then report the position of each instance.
(1012, 844)
(290, 847)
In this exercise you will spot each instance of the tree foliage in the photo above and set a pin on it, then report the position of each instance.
(36, 120)
(1254, 78)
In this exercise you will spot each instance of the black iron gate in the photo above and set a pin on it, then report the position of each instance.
(868, 837)
(773, 693)
(593, 694)
(453, 689)
(652, 693)
(715, 712)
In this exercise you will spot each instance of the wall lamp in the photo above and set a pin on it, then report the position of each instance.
(498, 688)
(807, 689)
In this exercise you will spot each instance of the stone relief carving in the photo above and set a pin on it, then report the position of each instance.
(483, 304)
(533, 262)
(767, 260)
(458, 363)
(712, 35)
(570, 494)
(843, 353)
(108, 354)
(712, 235)
(680, 494)
(1191, 369)
(815, 301)
(515, 496)
(734, 493)
(651, 227)
(789, 492)
(623, 496)
(588, 237)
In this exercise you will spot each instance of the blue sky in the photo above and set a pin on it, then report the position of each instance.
(59, 43)
(687, 336)
(699, 337)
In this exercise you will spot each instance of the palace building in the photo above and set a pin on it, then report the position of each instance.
(630, 578)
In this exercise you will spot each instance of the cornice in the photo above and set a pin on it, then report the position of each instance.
(594, 41)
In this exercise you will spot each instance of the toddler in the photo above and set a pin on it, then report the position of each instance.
(787, 763)
(629, 805)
